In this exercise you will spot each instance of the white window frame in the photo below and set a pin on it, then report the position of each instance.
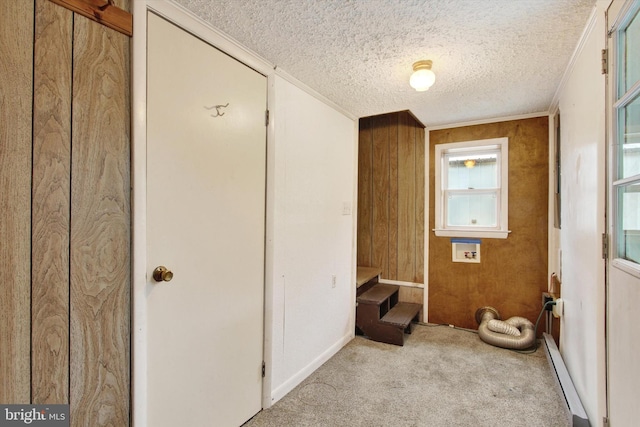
(501, 230)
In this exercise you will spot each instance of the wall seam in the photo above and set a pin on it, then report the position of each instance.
(33, 102)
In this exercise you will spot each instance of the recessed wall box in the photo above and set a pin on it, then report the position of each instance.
(465, 250)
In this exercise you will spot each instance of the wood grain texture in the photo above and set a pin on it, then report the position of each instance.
(420, 203)
(51, 204)
(391, 196)
(513, 271)
(101, 11)
(365, 196)
(100, 221)
(413, 295)
(16, 59)
(380, 178)
(406, 199)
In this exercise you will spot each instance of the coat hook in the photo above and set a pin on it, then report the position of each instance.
(106, 5)
(217, 107)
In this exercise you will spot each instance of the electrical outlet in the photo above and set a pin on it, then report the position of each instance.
(333, 280)
(558, 309)
(546, 297)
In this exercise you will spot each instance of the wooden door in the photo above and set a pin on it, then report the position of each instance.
(205, 222)
(65, 215)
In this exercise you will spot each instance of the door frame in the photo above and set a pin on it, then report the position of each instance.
(184, 19)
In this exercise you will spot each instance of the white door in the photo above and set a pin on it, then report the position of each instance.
(623, 290)
(205, 223)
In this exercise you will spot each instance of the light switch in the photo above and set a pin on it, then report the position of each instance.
(346, 208)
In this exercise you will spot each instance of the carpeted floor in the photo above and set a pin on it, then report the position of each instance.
(441, 377)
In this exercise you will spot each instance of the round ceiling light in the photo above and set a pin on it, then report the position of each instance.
(422, 78)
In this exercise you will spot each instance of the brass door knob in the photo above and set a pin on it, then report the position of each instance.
(162, 274)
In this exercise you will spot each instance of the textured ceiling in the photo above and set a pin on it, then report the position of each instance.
(492, 58)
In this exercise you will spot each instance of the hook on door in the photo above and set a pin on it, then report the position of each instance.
(217, 107)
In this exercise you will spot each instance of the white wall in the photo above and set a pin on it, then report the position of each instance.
(312, 175)
(582, 118)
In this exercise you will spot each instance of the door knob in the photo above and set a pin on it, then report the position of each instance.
(162, 274)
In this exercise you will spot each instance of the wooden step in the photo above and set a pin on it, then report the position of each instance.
(366, 278)
(378, 294)
(402, 314)
(365, 274)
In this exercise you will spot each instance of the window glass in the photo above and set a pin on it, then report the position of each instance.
(629, 222)
(629, 152)
(479, 209)
(472, 171)
(631, 40)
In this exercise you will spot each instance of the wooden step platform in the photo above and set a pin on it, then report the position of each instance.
(378, 294)
(366, 278)
(381, 317)
(402, 314)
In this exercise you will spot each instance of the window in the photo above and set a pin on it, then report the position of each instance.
(471, 188)
(626, 147)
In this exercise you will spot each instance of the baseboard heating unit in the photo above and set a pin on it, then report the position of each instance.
(575, 411)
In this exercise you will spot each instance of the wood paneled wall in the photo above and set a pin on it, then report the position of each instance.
(100, 226)
(16, 59)
(65, 160)
(51, 191)
(512, 272)
(391, 196)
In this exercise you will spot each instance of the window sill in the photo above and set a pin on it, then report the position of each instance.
(627, 266)
(486, 234)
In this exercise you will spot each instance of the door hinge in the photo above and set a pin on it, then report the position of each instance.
(605, 246)
(266, 118)
(605, 61)
(605, 422)
(264, 369)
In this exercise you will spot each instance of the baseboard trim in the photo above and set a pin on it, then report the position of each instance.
(401, 283)
(575, 411)
(282, 390)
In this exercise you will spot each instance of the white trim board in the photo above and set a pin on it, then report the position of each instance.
(139, 215)
(402, 283)
(488, 121)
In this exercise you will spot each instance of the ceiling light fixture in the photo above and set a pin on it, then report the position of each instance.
(422, 77)
(469, 163)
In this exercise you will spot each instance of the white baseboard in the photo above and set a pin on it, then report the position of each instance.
(281, 391)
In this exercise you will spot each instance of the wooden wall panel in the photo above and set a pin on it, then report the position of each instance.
(420, 203)
(50, 221)
(512, 272)
(380, 178)
(406, 199)
(391, 196)
(365, 194)
(16, 59)
(100, 221)
(51, 204)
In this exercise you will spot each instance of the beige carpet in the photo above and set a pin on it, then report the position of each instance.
(441, 377)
